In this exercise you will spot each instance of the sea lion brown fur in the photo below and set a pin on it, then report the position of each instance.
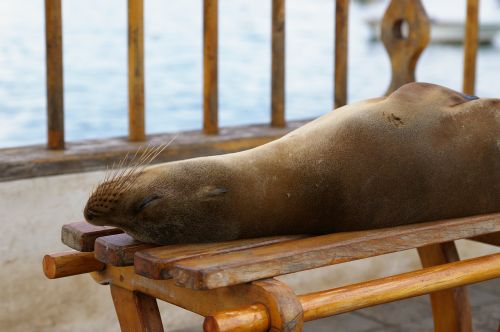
(423, 153)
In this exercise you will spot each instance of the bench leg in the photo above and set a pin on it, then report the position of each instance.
(450, 308)
(136, 312)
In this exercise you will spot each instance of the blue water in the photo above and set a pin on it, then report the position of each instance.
(94, 37)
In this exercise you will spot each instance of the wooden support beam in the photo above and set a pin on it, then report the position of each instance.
(55, 86)
(341, 52)
(136, 128)
(210, 67)
(70, 263)
(471, 42)
(278, 64)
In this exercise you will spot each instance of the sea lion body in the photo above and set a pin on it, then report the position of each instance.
(423, 153)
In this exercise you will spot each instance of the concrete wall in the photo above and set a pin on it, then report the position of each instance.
(32, 213)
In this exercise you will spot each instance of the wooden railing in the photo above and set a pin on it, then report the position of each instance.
(404, 52)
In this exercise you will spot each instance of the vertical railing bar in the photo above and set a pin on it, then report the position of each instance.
(54, 67)
(278, 64)
(341, 46)
(136, 128)
(210, 67)
(471, 42)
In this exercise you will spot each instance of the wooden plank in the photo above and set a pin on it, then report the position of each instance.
(54, 67)
(136, 127)
(210, 67)
(491, 239)
(118, 249)
(156, 263)
(278, 64)
(341, 52)
(136, 312)
(91, 155)
(297, 255)
(70, 263)
(450, 308)
(471, 42)
(82, 235)
(366, 294)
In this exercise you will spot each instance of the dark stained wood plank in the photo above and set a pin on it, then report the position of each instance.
(118, 249)
(92, 155)
(278, 64)
(156, 263)
(54, 67)
(297, 255)
(136, 127)
(71, 263)
(341, 52)
(136, 312)
(450, 308)
(82, 235)
(470, 46)
(210, 67)
(492, 239)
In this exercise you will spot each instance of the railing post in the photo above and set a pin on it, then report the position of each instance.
(136, 129)
(470, 46)
(341, 46)
(54, 67)
(210, 67)
(278, 64)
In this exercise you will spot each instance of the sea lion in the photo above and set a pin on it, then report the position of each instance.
(423, 153)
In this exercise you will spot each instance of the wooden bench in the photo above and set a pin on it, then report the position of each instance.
(232, 283)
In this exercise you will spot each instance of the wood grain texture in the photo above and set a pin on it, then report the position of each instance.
(326, 303)
(341, 52)
(471, 42)
(54, 67)
(156, 263)
(278, 64)
(210, 67)
(404, 51)
(136, 312)
(118, 249)
(450, 307)
(136, 127)
(282, 258)
(92, 155)
(82, 235)
(70, 263)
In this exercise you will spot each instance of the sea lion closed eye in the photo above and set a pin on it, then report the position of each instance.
(423, 153)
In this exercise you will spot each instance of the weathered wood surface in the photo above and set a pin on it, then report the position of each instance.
(297, 255)
(492, 239)
(136, 312)
(156, 262)
(210, 67)
(278, 64)
(70, 263)
(369, 293)
(54, 67)
(82, 235)
(91, 155)
(341, 52)
(404, 51)
(450, 308)
(136, 127)
(119, 249)
(471, 42)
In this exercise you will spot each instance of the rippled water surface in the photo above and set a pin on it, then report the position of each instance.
(95, 65)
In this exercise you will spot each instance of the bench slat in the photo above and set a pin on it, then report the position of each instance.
(118, 249)
(155, 263)
(82, 235)
(292, 256)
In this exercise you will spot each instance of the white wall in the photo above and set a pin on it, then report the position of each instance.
(32, 213)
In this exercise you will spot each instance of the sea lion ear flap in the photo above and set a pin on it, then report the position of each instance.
(213, 191)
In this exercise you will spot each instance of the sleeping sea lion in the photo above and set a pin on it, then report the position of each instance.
(423, 153)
